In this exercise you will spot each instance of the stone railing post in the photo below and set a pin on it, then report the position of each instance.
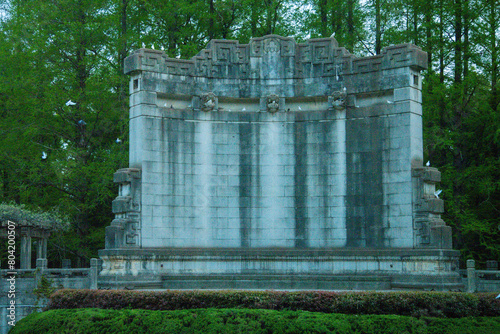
(471, 276)
(491, 265)
(94, 272)
(66, 264)
(41, 266)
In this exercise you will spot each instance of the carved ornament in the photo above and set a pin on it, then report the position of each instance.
(273, 103)
(208, 101)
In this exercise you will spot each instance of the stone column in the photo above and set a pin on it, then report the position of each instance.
(94, 272)
(44, 247)
(491, 265)
(66, 264)
(39, 249)
(471, 276)
(41, 266)
(25, 248)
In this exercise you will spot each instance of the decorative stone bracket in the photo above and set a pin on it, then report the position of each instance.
(273, 103)
(124, 230)
(337, 100)
(208, 102)
(431, 230)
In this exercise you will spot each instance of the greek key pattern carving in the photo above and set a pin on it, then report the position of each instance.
(314, 58)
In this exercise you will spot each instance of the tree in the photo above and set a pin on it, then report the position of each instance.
(65, 154)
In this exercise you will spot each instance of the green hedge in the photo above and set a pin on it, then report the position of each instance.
(416, 304)
(208, 321)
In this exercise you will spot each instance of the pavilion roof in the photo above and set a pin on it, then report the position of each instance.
(22, 216)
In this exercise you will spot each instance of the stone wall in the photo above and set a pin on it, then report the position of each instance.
(275, 146)
(27, 280)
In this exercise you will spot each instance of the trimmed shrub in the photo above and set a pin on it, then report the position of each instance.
(416, 304)
(207, 321)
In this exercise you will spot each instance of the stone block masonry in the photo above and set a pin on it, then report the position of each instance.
(250, 163)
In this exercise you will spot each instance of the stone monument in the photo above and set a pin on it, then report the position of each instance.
(278, 165)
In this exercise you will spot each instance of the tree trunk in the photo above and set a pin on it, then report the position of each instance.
(122, 51)
(253, 18)
(458, 42)
(493, 27)
(466, 25)
(378, 29)
(415, 23)
(211, 27)
(350, 26)
(441, 42)
(122, 54)
(428, 32)
(323, 29)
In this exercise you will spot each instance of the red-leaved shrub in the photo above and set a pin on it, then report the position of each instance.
(417, 304)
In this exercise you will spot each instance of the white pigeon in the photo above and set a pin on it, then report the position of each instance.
(70, 103)
(390, 102)
(428, 164)
(44, 155)
(244, 109)
(300, 108)
(437, 192)
(118, 140)
(497, 297)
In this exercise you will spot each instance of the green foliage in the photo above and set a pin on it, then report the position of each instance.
(44, 288)
(451, 305)
(21, 215)
(56, 156)
(240, 321)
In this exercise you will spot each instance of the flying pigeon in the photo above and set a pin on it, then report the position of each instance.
(44, 155)
(497, 297)
(437, 192)
(81, 122)
(70, 103)
(244, 109)
(118, 140)
(390, 102)
(428, 164)
(300, 108)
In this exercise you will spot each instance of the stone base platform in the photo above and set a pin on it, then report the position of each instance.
(281, 269)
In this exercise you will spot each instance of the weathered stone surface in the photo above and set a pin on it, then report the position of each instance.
(280, 146)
